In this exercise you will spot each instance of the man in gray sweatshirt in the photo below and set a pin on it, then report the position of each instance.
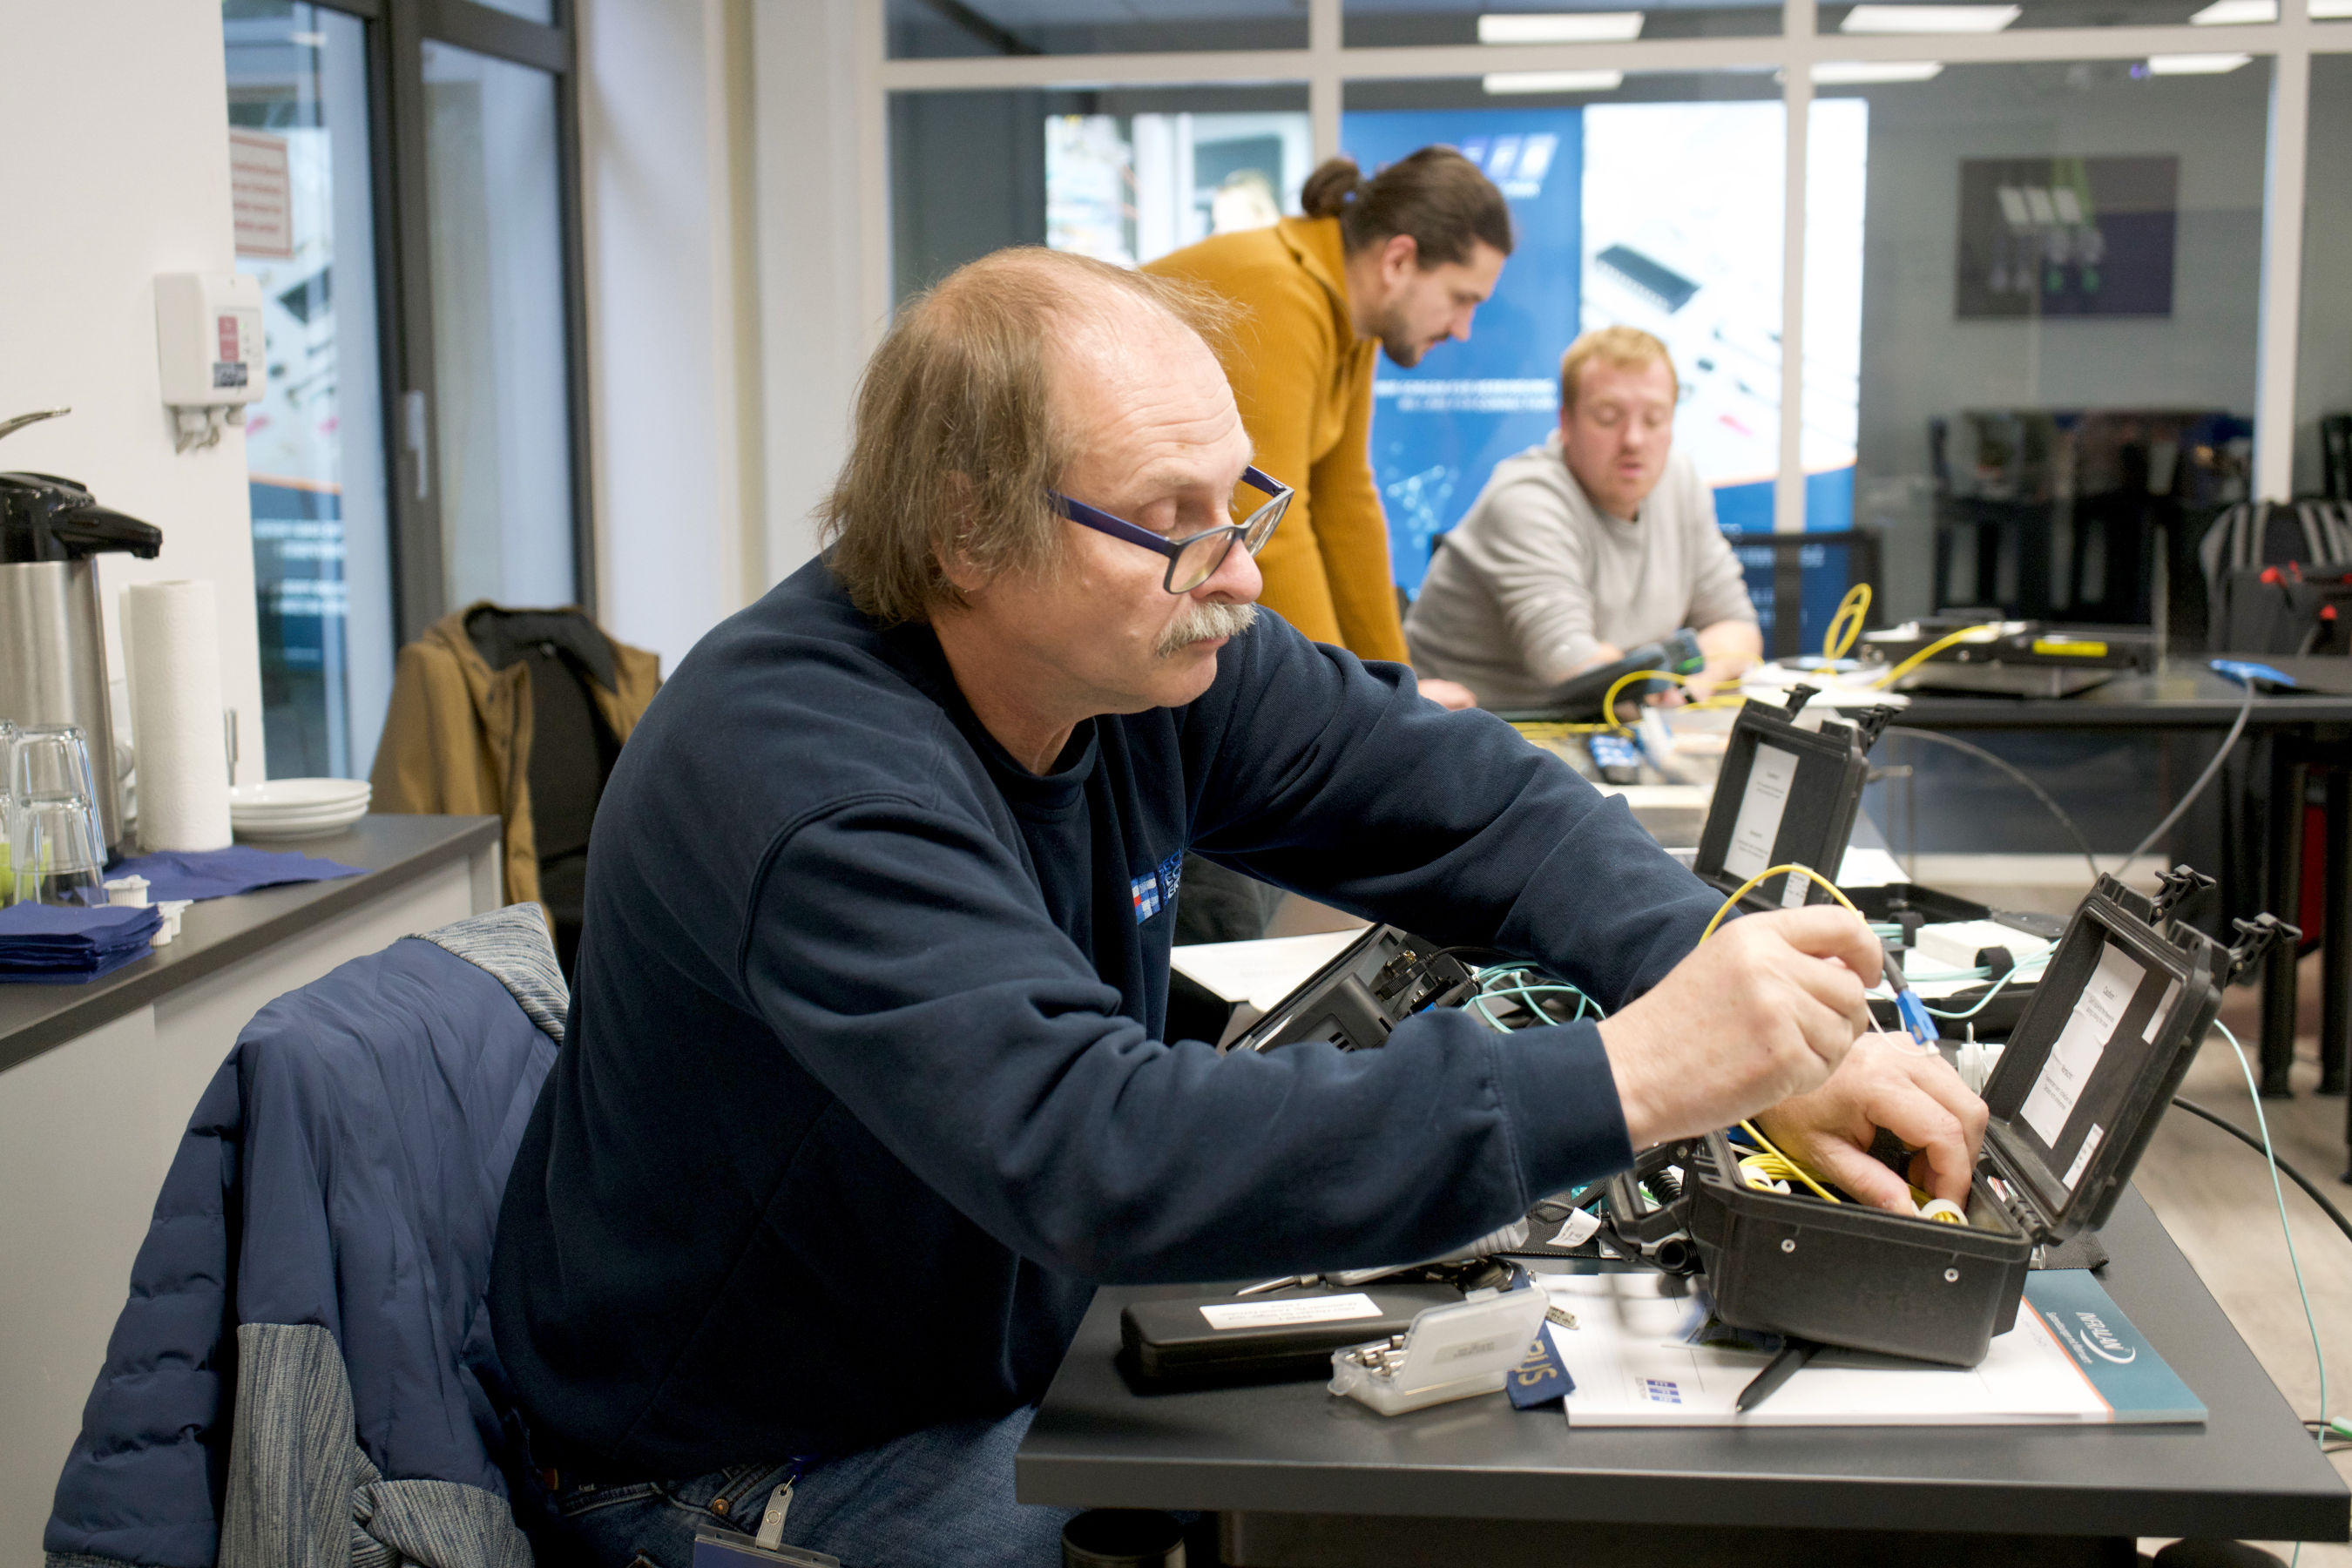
(1598, 541)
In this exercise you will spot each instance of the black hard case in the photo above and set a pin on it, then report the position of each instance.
(1832, 762)
(1167, 1344)
(1847, 1275)
(1371, 986)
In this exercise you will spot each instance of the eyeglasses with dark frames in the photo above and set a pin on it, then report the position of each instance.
(1194, 559)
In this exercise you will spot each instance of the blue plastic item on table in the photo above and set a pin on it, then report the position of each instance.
(222, 873)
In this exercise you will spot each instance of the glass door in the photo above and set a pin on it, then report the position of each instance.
(301, 157)
(405, 177)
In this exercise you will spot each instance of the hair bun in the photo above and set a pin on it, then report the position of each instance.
(1335, 182)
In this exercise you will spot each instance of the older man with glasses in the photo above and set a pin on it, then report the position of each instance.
(864, 1090)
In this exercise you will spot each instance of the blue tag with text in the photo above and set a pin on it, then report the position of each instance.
(1541, 1376)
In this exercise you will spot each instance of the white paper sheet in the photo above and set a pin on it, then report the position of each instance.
(1260, 973)
(1633, 1368)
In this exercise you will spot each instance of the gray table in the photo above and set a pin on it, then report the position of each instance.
(219, 931)
(2306, 731)
(1300, 1479)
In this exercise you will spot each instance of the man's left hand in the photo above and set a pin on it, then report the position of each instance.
(1449, 694)
(1884, 1081)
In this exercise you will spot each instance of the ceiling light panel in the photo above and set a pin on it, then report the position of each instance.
(1865, 73)
(1554, 81)
(2235, 13)
(1559, 27)
(2194, 65)
(1928, 19)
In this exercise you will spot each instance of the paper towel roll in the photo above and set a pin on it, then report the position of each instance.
(171, 643)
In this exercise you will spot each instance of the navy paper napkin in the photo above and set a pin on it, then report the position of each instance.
(66, 944)
(219, 873)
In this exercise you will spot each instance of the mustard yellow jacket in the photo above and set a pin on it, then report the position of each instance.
(457, 739)
(1304, 382)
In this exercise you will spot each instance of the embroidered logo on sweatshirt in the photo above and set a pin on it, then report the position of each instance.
(1156, 890)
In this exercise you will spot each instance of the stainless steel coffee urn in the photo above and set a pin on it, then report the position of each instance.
(52, 636)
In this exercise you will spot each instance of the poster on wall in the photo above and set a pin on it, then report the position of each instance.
(1596, 246)
(1703, 273)
(1439, 429)
(2066, 237)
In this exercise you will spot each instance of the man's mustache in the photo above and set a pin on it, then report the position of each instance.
(1203, 622)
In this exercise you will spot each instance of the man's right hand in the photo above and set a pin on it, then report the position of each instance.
(1765, 1009)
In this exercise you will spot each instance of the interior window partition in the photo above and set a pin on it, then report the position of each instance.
(302, 159)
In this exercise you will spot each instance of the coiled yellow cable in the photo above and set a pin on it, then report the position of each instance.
(1856, 605)
(1608, 703)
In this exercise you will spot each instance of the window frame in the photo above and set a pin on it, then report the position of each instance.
(397, 31)
(1327, 65)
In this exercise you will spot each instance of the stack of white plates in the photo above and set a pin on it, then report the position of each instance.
(297, 808)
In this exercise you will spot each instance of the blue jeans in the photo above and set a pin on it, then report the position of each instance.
(940, 1497)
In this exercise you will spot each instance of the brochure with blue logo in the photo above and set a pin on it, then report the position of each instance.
(1640, 1353)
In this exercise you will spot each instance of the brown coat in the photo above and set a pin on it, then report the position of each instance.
(457, 739)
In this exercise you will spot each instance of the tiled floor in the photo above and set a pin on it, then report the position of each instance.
(2215, 1195)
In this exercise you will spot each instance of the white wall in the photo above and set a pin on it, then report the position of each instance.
(116, 126)
(673, 316)
(818, 321)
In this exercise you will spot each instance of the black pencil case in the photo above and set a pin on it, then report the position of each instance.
(1177, 1342)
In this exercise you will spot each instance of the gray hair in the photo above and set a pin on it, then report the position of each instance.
(955, 446)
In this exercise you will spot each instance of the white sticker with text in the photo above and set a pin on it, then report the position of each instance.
(2097, 1015)
(1298, 1310)
(1758, 826)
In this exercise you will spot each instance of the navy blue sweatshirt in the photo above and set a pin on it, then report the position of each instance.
(864, 1090)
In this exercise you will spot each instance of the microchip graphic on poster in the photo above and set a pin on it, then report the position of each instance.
(1757, 828)
(2075, 1055)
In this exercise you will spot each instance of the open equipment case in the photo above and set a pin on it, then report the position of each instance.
(1786, 795)
(2126, 1000)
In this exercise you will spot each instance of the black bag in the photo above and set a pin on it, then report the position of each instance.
(2271, 533)
(2289, 609)
(573, 749)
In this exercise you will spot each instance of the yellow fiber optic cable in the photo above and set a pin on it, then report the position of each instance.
(1965, 633)
(1608, 703)
(1851, 612)
(1745, 888)
(1794, 1168)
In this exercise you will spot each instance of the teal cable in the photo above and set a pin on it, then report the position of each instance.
(2269, 1156)
(1982, 1001)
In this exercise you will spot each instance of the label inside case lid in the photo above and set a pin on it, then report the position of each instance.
(2087, 1067)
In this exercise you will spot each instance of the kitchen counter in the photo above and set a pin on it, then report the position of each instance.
(97, 1082)
(218, 933)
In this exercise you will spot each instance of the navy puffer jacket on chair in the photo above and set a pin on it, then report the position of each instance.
(315, 1272)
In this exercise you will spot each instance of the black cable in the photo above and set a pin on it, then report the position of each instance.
(2251, 1141)
(2014, 772)
(2245, 712)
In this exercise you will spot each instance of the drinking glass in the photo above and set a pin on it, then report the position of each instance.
(58, 851)
(56, 846)
(52, 761)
